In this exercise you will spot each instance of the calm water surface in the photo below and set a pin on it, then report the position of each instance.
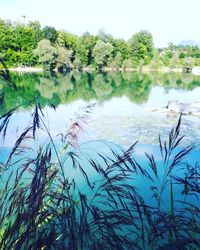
(127, 104)
(127, 109)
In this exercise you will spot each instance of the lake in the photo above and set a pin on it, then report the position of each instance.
(128, 105)
(148, 194)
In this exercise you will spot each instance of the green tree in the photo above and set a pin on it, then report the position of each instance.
(85, 47)
(117, 61)
(37, 32)
(46, 53)
(156, 63)
(9, 45)
(17, 42)
(68, 40)
(127, 64)
(174, 61)
(50, 33)
(27, 41)
(120, 46)
(105, 37)
(102, 53)
(63, 60)
(77, 63)
(188, 64)
(141, 46)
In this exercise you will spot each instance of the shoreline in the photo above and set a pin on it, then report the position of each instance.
(85, 69)
(26, 69)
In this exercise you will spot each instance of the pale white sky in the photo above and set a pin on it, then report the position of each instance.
(167, 20)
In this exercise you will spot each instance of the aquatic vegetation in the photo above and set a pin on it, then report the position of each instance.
(55, 195)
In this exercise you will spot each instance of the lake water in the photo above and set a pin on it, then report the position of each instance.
(127, 104)
(127, 108)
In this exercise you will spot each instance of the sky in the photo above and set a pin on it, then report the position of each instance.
(167, 20)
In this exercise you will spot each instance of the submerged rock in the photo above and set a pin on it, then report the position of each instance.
(178, 107)
(174, 106)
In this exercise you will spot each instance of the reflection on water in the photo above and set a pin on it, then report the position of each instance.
(124, 103)
(63, 89)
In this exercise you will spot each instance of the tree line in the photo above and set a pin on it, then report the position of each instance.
(31, 45)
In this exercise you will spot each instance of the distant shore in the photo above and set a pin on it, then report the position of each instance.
(162, 69)
(26, 69)
(107, 69)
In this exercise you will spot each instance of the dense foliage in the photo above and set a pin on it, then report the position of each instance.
(31, 45)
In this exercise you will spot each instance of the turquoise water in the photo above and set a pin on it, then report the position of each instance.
(126, 110)
(93, 150)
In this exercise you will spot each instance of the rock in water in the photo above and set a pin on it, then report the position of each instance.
(177, 107)
(174, 106)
